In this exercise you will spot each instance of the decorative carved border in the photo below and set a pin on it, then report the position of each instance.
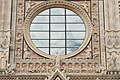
(61, 4)
(19, 28)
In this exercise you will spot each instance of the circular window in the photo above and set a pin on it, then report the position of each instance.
(57, 30)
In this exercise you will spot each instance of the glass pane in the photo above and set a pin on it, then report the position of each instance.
(55, 51)
(39, 35)
(60, 19)
(45, 12)
(69, 50)
(75, 35)
(39, 27)
(57, 43)
(74, 43)
(46, 50)
(41, 19)
(57, 27)
(73, 19)
(76, 27)
(57, 35)
(57, 11)
(69, 12)
(41, 43)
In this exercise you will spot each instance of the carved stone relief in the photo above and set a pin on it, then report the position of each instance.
(113, 49)
(85, 62)
(88, 64)
(4, 33)
(30, 5)
(84, 4)
(19, 29)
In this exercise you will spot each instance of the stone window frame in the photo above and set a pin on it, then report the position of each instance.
(57, 4)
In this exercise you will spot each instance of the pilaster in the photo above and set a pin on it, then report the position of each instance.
(5, 32)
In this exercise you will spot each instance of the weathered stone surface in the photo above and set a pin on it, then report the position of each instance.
(100, 54)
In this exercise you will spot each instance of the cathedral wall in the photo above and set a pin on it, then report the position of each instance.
(100, 54)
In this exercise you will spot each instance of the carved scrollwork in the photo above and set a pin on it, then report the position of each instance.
(5, 44)
(10, 69)
(112, 43)
(4, 41)
(112, 39)
(89, 52)
(113, 60)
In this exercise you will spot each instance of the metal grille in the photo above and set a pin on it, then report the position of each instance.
(57, 30)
